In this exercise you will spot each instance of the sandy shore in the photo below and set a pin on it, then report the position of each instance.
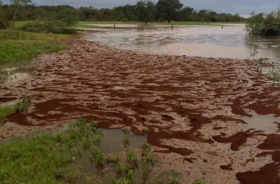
(193, 108)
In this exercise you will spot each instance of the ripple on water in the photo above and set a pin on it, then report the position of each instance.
(205, 41)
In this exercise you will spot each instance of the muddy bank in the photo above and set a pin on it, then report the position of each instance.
(193, 108)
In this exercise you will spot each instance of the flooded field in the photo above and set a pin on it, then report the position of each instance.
(210, 118)
(205, 41)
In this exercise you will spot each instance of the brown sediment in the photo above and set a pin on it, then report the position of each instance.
(267, 174)
(236, 140)
(5, 100)
(226, 167)
(191, 107)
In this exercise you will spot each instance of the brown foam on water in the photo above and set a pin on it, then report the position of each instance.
(191, 107)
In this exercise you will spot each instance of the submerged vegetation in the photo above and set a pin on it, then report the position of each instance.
(264, 24)
(53, 157)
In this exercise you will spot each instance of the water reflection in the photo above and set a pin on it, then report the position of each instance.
(205, 41)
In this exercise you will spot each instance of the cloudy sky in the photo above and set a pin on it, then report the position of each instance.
(242, 7)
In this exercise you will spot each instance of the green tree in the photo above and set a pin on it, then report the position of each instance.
(105, 14)
(16, 6)
(187, 14)
(169, 9)
(4, 22)
(145, 10)
(88, 13)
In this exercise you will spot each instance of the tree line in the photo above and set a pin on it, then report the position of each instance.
(144, 11)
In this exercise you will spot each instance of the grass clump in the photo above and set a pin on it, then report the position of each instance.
(176, 177)
(22, 105)
(38, 159)
(200, 181)
(53, 157)
(5, 111)
(17, 48)
(17, 108)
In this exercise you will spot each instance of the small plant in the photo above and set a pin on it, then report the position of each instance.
(86, 144)
(111, 159)
(254, 52)
(126, 141)
(146, 131)
(130, 174)
(146, 170)
(176, 177)
(81, 123)
(97, 157)
(23, 105)
(119, 169)
(93, 127)
(97, 141)
(126, 131)
(274, 74)
(93, 154)
(146, 149)
(100, 160)
(200, 181)
(132, 159)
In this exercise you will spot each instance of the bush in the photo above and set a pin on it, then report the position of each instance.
(61, 22)
(264, 24)
(56, 27)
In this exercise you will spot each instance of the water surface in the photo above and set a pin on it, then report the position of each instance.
(231, 41)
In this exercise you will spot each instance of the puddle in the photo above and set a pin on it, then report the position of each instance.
(17, 77)
(13, 75)
(111, 144)
(112, 141)
(265, 123)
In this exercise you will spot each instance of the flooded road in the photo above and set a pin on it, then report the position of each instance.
(205, 41)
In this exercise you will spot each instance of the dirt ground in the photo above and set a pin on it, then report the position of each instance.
(192, 107)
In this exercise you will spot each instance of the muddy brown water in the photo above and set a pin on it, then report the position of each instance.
(194, 108)
(206, 41)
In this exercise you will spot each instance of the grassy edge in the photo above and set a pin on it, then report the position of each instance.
(16, 108)
(48, 157)
(18, 48)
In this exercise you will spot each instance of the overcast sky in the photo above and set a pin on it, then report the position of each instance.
(242, 7)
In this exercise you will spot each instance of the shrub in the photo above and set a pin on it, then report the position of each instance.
(264, 24)
(61, 23)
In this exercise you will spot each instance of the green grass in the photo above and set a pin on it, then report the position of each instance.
(17, 46)
(200, 181)
(17, 108)
(53, 157)
(5, 111)
(38, 159)
(20, 24)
